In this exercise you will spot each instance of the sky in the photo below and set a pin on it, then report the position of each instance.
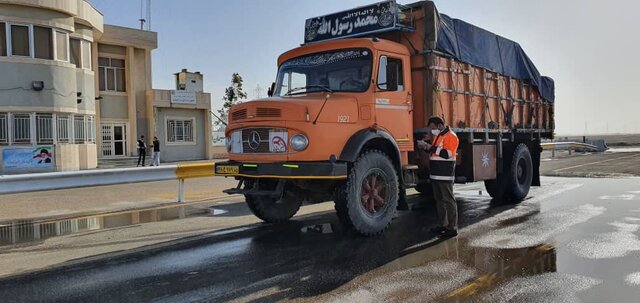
(590, 48)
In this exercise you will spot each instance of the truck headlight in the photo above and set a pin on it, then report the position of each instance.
(299, 142)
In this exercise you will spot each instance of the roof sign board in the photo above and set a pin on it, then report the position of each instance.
(183, 97)
(375, 18)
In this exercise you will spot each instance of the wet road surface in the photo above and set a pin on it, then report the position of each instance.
(573, 240)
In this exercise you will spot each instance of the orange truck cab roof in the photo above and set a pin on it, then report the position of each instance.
(370, 43)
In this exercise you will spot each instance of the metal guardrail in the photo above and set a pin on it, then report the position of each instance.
(11, 184)
(570, 146)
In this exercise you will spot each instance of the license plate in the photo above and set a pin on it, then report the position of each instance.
(227, 169)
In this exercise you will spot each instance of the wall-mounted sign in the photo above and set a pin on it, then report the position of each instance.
(183, 97)
(39, 158)
(373, 18)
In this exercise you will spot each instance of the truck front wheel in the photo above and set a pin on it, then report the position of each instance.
(274, 210)
(368, 201)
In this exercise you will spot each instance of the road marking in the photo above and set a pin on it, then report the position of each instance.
(618, 197)
(598, 162)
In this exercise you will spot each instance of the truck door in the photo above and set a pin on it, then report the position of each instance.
(393, 99)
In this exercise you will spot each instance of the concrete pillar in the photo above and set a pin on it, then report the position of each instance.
(96, 83)
(132, 130)
(152, 131)
(207, 134)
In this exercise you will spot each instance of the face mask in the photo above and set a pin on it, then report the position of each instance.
(435, 131)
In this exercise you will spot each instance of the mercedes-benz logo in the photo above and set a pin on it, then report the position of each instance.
(254, 140)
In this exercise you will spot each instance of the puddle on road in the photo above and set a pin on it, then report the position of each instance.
(468, 268)
(25, 231)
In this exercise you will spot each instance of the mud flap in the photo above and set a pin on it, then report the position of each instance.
(535, 157)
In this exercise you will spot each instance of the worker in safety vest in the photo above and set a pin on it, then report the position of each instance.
(442, 162)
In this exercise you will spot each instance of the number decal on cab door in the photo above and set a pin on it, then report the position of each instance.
(343, 119)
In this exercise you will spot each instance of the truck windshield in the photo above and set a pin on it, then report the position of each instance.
(345, 70)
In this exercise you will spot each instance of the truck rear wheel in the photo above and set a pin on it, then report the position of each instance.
(520, 174)
(514, 184)
(274, 210)
(368, 201)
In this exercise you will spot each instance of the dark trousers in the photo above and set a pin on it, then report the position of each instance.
(142, 154)
(446, 203)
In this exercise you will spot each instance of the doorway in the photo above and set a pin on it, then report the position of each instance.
(114, 140)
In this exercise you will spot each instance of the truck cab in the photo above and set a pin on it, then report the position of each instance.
(323, 95)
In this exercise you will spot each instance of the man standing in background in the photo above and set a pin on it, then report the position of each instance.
(142, 151)
(155, 159)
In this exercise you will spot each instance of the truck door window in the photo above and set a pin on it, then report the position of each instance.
(390, 76)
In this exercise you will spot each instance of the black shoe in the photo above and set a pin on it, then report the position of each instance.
(449, 233)
(438, 230)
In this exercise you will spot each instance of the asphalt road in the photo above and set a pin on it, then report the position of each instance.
(573, 240)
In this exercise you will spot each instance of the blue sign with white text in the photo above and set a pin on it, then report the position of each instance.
(40, 158)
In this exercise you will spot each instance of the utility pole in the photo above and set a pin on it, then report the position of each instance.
(144, 19)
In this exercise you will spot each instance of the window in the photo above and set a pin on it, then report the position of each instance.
(390, 77)
(91, 129)
(44, 128)
(62, 46)
(20, 41)
(64, 126)
(43, 42)
(21, 128)
(78, 129)
(112, 75)
(179, 131)
(74, 51)
(3, 39)
(4, 128)
(80, 53)
(86, 54)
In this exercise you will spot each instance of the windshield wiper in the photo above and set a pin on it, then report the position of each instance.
(323, 87)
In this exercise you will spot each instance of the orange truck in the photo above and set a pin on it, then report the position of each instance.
(346, 110)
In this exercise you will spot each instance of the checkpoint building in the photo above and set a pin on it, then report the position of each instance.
(74, 90)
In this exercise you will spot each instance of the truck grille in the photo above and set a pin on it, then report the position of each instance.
(268, 112)
(239, 115)
(256, 140)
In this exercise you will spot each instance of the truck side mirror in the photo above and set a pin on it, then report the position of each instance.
(271, 89)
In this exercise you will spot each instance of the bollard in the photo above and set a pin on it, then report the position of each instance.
(553, 153)
(180, 190)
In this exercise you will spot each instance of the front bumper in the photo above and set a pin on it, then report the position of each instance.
(283, 170)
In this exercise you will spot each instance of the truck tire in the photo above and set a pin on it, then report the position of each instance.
(369, 199)
(514, 184)
(494, 188)
(520, 174)
(274, 210)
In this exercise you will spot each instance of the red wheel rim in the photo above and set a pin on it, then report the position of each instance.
(374, 192)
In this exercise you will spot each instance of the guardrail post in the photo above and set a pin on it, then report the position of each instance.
(180, 190)
(553, 153)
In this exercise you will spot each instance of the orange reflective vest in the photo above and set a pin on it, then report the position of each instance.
(443, 160)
